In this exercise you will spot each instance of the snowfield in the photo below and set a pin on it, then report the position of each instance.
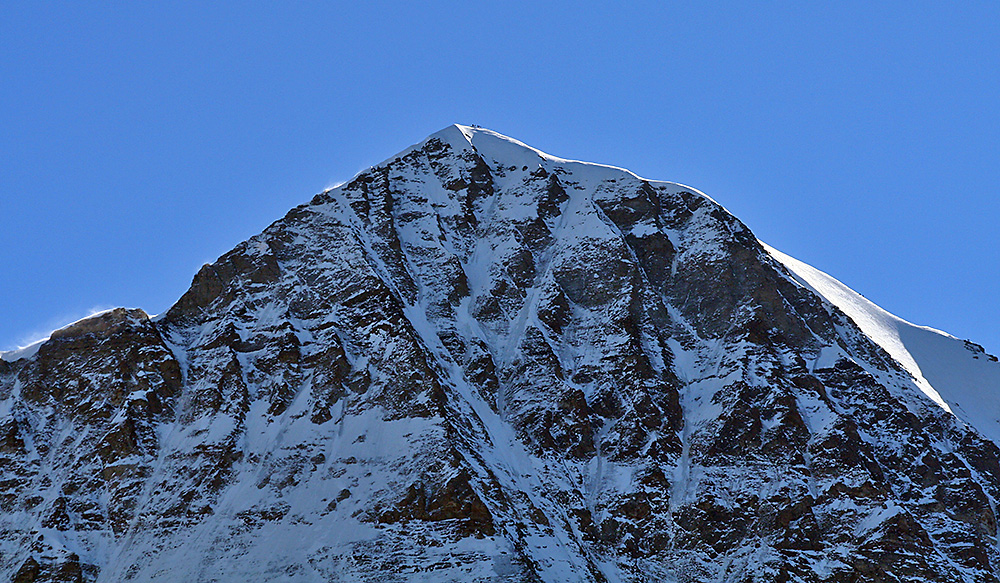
(956, 374)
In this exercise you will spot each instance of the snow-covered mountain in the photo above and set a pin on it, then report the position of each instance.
(478, 362)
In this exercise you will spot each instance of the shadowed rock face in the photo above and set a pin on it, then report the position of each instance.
(476, 362)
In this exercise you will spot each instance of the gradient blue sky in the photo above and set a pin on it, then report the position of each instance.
(140, 140)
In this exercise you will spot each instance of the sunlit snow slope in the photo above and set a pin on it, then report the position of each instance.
(955, 373)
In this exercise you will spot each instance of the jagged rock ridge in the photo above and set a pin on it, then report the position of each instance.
(479, 362)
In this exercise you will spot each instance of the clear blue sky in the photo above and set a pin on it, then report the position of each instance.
(140, 140)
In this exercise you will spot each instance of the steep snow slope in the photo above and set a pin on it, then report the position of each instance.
(22, 352)
(954, 373)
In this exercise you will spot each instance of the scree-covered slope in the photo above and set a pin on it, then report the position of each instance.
(478, 362)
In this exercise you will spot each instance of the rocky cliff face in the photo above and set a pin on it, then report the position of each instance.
(478, 362)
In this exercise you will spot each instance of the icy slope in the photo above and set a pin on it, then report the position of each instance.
(954, 373)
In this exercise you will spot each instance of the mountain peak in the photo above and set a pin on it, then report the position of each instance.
(477, 361)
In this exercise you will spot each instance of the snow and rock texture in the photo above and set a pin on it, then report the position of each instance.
(478, 362)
